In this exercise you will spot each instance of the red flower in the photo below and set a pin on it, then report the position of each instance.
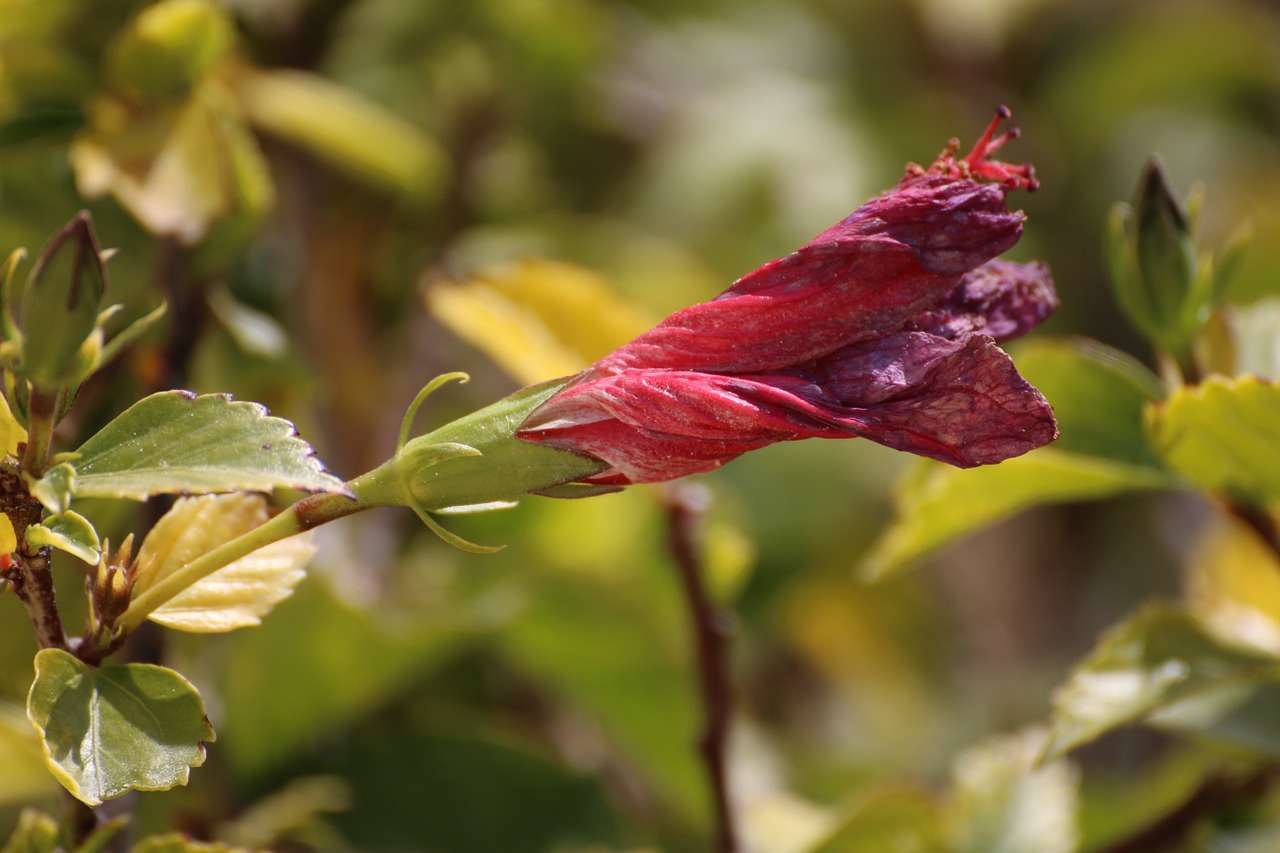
(884, 327)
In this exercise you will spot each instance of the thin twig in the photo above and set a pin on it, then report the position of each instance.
(1217, 794)
(685, 506)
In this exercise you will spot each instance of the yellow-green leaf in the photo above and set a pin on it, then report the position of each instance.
(336, 123)
(940, 504)
(233, 597)
(537, 319)
(12, 433)
(109, 730)
(177, 169)
(1223, 436)
(67, 531)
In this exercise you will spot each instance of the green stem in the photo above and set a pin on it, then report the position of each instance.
(42, 416)
(308, 513)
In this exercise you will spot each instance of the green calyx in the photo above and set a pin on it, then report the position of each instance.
(475, 463)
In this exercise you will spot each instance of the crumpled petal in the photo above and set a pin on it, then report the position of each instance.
(960, 402)
(1002, 299)
(892, 258)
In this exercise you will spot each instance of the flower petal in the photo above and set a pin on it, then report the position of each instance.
(868, 275)
(1000, 298)
(960, 402)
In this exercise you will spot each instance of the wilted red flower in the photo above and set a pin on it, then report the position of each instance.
(884, 327)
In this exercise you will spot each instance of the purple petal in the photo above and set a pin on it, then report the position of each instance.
(1000, 298)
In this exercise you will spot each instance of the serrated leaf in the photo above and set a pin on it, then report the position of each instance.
(1156, 658)
(1223, 436)
(939, 504)
(236, 596)
(36, 832)
(67, 531)
(175, 442)
(536, 318)
(1004, 803)
(110, 730)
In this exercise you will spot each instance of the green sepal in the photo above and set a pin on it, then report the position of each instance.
(130, 333)
(507, 468)
(67, 531)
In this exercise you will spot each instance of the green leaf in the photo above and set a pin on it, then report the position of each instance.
(114, 729)
(56, 488)
(36, 832)
(1004, 803)
(67, 531)
(1222, 436)
(1158, 657)
(175, 442)
(1098, 395)
(939, 504)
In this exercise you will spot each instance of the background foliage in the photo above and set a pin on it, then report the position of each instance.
(340, 165)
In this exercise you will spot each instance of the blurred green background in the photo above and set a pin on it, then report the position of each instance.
(328, 160)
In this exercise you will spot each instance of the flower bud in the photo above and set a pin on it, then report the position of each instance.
(1158, 279)
(55, 342)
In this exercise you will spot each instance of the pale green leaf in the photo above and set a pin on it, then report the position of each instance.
(336, 123)
(36, 832)
(233, 597)
(1223, 436)
(176, 442)
(1157, 658)
(1004, 803)
(110, 730)
(67, 531)
(1236, 715)
(939, 504)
